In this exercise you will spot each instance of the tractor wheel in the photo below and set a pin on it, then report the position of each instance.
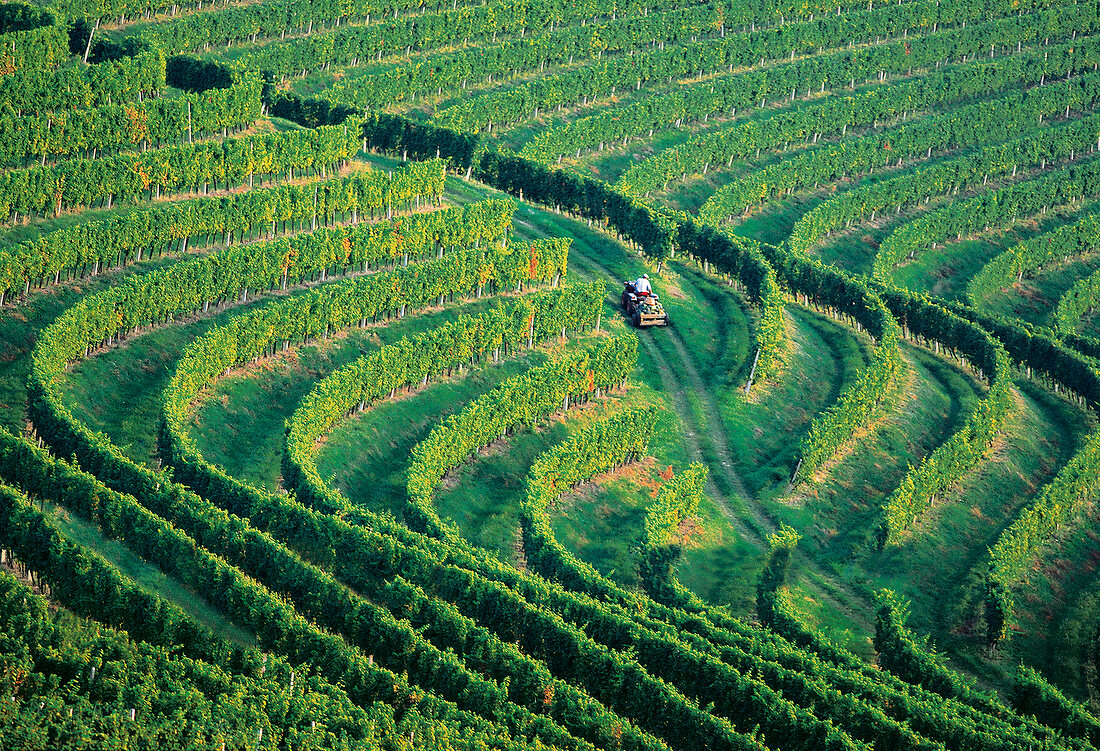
(624, 301)
(637, 319)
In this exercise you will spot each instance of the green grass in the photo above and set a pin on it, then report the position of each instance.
(940, 565)
(21, 325)
(845, 504)
(148, 576)
(764, 432)
(1035, 299)
(366, 457)
(603, 522)
(693, 371)
(946, 270)
(240, 424)
(133, 377)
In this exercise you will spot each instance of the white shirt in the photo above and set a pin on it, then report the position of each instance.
(642, 285)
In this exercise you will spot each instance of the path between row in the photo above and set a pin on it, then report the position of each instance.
(827, 588)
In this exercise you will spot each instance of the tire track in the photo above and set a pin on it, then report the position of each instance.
(753, 534)
(828, 589)
(759, 525)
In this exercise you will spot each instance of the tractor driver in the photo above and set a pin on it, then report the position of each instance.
(642, 286)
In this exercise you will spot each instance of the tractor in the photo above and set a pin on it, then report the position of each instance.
(643, 308)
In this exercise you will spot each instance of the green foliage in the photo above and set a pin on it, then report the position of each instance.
(412, 363)
(215, 677)
(601, 447)
(773, 579)
(291, 17)
(1076, 302)
(833, 116)
(964, 449)
(520, 402)
(725, 54)
(989, 121)
(1058, 506)
(526, 661)
(677, 500)
(173, 169)
(125, 127)
(274, 621)
(915, 661)
(1057, 142)
(858, 402)
(452, 71)
(901, 653)
(1030, 256)
(31, 39)
(123, 240)
(118, 81)
(1032, 695)
(1006, 205)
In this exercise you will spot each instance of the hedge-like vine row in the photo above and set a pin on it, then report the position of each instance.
(676, 501)
(413, 363)
(1060, 501)
(128, 177)
(603, 446)
(777, 82)
(904, 655)
(913, 660)
(1075, 303)
(595, 206)
(1057, 142)
(858, 403)
(249, 335)
(731, 93)
(836, 113)
(1032, 695)
(248, 23)
(1058, 506)
(999, 207)
(699, 726)
(626, 217)
(657, 232)
(430, 76)
(96, 131)
(276, 624)
(350, 44)
(176, 699)
(1029, 256)
(964, 449)
(126, 79)
(522, 401)
(1001, 119)
(359, 562)
(31, 39)
(125, 239)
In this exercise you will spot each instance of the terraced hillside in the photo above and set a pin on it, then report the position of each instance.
(322, 426)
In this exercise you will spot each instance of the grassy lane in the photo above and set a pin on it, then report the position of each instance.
(763, 433)
(1038, 439)
(1034, 299)
(946, 271)
(1066, 625)
(20, 327)
(240, 424)
(838, 513)
(366, 457)
(133, 374)
(148, 576)
(1058, 611)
